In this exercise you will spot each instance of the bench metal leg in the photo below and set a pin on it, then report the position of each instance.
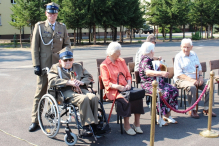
(120, 117)
(181, 98)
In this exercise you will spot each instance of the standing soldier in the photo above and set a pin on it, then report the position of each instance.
(49, 37)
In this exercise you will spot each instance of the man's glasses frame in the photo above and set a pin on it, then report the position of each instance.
(65, 60)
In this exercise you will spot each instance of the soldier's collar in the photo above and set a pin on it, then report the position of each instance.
(67, 70)
(50, 23)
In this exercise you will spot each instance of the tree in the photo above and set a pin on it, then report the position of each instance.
(73, 14)
(29, 12)
(134, 15)
(184, 14)
(167, 12)
(106, 18)
(211, 13)
(17, 21)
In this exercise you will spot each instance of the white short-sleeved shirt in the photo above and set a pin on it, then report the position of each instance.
(186, 65)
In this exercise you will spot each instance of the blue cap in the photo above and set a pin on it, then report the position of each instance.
(66, 53)
(52, 8)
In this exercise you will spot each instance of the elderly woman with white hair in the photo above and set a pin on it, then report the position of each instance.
(148, 74)
(109, 69)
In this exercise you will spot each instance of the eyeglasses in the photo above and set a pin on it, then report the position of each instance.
(154, 42)
(68, 60)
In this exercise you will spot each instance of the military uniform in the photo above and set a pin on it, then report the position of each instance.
(87, 102)
(46, 43)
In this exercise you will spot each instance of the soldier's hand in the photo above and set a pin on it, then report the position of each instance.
(37, 70)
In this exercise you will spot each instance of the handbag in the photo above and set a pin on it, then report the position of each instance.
(133, 93)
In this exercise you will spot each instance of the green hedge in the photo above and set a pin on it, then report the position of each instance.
(167, 29)
(196, 36)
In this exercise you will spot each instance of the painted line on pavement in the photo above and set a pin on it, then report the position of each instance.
(17, 137)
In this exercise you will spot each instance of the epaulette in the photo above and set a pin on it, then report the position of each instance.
(40, 22)
(62, 23)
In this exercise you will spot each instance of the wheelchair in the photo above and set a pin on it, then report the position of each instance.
(51, 109)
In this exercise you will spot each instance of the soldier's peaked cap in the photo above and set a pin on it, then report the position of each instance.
(66, 53)
(52, 7)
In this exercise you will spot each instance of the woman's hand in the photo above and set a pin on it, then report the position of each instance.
(121, 88)
(164, 74)
(128, 87)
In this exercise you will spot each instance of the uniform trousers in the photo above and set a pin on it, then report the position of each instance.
(41, 89)
(87, 104)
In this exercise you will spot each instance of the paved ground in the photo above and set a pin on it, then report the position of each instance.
(17, 87)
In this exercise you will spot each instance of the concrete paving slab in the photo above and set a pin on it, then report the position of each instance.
(18, 83)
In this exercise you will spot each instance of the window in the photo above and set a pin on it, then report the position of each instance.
(0, 20)
(13, 2)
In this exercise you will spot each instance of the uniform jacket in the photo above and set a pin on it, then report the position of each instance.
(46, 55)
(81, 74)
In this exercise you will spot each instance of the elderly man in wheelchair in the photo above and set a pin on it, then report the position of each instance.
(68, 92)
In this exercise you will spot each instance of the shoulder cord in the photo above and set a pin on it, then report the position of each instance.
(59, 71)
(42, 38)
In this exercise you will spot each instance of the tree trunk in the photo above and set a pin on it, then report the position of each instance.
(183, 30)
(20, 39)
(94, 31)
(207, 27)
(171, 28)
(81, 33)
(98, 33)
(212, 31)
(105, 35)
(120, 34)
(74, 37)
(154, 30)
(31, 35)
(77, 35)
(157, 31)
(111, 35)
(131, 35)
(205, 32)
(89, 34)
(163, 31)
(115, 34)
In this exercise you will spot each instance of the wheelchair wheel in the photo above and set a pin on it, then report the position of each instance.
(70, 140)
(48, 115)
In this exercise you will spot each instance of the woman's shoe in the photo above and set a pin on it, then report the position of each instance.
(163, 123)
(170, 120)
(130, 131)
(137, 129)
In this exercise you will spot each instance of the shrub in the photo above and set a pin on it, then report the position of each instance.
(167, 29)
(196, 36)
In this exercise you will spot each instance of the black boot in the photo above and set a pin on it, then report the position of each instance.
(33, 127)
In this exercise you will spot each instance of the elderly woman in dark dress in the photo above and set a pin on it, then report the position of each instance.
(147, 75)
(109, 70)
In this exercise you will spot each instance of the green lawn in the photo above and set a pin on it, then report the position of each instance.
(167, 37)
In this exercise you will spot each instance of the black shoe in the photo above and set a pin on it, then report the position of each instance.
(86, 131)
(33, 127)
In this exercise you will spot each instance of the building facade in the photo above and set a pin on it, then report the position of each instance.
(7, 31)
